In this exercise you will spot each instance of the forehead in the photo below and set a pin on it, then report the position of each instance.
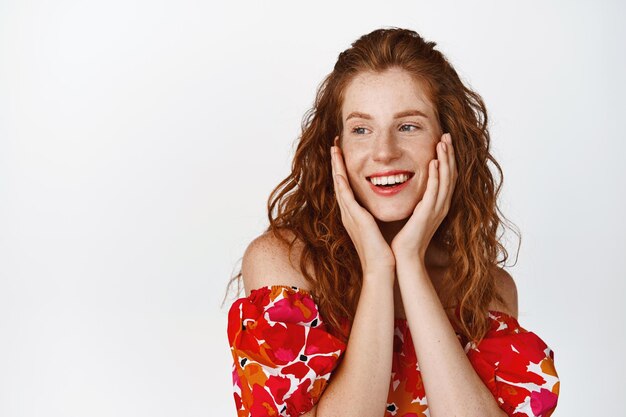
(383, 93)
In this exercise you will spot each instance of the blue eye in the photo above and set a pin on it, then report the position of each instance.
(407, 125)
(357, 128)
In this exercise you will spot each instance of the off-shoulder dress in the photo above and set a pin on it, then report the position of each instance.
(284, 356)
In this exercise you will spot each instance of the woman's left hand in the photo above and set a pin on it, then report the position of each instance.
(416, 234)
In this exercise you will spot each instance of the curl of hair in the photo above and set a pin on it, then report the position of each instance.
(304, 203)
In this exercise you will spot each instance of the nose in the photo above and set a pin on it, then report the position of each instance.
(386, 148)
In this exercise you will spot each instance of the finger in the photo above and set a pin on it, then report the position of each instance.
(342, 187)
(333, 164)
(332, 158)
(340, 166)
(444, 176)
(452, 167)
(347, 201)
(432, 186)
(340, 170)
(447, 138)
(345, 196)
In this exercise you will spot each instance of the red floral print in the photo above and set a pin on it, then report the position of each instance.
(283, 358)
(282, 354)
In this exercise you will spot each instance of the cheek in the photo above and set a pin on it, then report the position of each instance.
(351, 170)
(425, 154)
(351, 163)
(426, 158)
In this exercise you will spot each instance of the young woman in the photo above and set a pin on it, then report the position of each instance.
(375, 290)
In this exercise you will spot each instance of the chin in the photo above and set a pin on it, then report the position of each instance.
(388, 216)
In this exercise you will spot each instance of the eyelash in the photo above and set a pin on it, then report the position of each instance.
(405, 124)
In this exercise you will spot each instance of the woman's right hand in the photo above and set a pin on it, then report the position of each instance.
(374, 252)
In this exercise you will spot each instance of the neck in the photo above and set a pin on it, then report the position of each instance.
(390, 229)
(435, 254)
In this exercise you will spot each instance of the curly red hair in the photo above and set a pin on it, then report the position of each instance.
(304, 202)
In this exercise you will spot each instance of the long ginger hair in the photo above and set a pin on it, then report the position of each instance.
(304, 202)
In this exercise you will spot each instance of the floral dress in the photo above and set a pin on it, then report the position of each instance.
(284, 356)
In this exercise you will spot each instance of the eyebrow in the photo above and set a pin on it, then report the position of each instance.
(404, 113)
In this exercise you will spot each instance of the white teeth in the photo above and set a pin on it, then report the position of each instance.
(391, 179)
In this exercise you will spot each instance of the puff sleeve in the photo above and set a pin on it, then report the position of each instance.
(283, 355)
(517, 366)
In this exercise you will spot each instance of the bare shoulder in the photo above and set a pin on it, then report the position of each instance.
(266, 261)
(505, 285)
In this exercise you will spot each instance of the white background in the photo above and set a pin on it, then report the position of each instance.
(139, 141)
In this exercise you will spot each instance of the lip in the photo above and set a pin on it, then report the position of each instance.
(390, 191)
(393, 172)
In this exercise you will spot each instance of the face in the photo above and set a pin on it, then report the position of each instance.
(389, 126)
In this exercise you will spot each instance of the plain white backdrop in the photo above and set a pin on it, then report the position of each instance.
(139, 141)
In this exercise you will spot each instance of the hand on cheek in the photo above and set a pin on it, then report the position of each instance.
(373, 251)
(416, 234)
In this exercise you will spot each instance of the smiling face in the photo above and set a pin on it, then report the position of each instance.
(389, 124)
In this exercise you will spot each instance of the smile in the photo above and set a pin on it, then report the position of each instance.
(389, 180)
(389, 185)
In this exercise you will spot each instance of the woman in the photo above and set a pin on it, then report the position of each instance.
(375, 290)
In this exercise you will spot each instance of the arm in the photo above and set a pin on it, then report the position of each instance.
(360, 385)
(452, 385)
